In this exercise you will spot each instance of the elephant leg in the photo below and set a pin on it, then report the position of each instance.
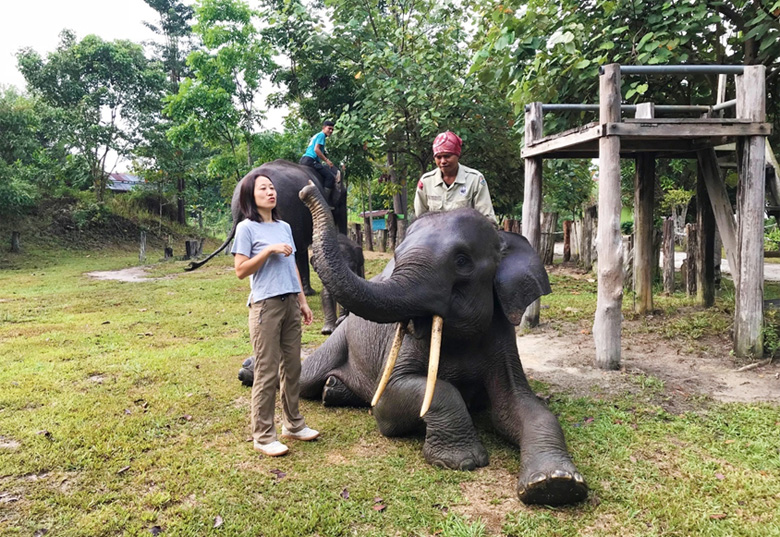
(302, 262)
(328, 311)
(336, 393)
(548, 475)
(451, 440)
(320, 365)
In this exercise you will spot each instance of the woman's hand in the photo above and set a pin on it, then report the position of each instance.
(280, 248)
(306, 313)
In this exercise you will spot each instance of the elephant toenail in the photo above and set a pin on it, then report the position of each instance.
(468, 465)
(520, 491)
(560, 474)
(537, 478)
(578, 478)
(330, 382)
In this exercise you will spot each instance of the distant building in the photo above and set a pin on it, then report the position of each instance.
(123, 182)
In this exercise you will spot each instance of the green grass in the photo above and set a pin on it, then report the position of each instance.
(120, 411)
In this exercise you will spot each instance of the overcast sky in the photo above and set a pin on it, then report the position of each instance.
(38, 23)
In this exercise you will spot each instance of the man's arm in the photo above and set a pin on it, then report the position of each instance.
(319, 149)
(420, 200)
(482, 201)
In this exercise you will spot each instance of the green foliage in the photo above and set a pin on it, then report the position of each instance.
(772, 239)
(567, 186)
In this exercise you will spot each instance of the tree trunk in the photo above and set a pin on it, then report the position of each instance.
(566, 241)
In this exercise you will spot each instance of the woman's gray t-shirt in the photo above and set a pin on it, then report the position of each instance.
(278, 274)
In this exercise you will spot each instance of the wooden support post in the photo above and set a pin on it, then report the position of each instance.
(721, 206)
(607, 324)
(691, 252)
(532, 198)
(668, 249)
(705, 260)
(566, 241)
(644, 200)
(142, 248)
(382, 240)
(749, 302)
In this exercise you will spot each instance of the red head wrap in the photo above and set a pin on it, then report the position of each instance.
(447, 142)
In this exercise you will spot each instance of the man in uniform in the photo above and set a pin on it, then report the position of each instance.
(315, 155)
(452, 185)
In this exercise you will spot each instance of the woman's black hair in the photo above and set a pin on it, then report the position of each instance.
(246, 197)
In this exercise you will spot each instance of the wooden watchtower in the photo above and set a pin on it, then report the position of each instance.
(646, 138)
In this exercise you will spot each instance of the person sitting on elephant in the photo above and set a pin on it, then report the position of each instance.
(315, 155)
(452, 185)
(263, 250)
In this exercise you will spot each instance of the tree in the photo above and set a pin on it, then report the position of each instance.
(31, 160)
(411, 61)
(170, 160)
(219, 102)
(102, 89)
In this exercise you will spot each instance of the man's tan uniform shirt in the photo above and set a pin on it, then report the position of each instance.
(468, 190)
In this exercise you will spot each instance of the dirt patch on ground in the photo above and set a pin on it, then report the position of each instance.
(565, 358)
(132, 274)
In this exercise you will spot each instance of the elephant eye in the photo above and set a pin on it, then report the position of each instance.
(462, 261)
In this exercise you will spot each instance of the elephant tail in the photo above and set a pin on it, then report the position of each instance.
(197, 264)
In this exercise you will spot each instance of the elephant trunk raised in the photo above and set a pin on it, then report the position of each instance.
(392, 300)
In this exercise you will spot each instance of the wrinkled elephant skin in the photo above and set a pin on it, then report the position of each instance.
(456, 266)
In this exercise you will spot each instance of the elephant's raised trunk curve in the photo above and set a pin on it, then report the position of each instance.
(382, 302)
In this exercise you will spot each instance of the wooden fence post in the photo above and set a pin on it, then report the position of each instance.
(691, 249)
(16, 242)
(668, 249)
(608, 319)
(566, 241)
(368, 233)
(586, 251)
(547, 246)
(142, 248)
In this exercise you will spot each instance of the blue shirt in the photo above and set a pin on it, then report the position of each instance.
(317, 139)
(278, 274)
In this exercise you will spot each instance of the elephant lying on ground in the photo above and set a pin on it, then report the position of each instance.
(288, 179)
(453, 266)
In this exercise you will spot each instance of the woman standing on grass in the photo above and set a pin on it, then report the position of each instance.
(263, 250)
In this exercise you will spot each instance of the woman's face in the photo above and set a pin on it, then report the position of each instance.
(265, 193)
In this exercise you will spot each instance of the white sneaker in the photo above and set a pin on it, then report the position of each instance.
(274, 449)
(304, 434)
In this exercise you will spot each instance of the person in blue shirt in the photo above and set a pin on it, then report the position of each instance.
(315, 155)
(263, 250)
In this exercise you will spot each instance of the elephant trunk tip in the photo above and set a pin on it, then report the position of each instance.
(309, 192)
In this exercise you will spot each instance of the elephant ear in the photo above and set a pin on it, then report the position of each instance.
(520, 278)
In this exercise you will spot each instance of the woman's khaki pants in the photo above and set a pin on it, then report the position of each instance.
(275, 331)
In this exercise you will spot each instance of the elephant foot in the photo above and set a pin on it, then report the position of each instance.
(308, 291)
(336, 393)
(462, 457)
(556, 487)
(327, 329)
(247, 372)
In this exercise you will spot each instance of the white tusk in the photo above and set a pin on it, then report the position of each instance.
(433, 363)
(391, 358)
